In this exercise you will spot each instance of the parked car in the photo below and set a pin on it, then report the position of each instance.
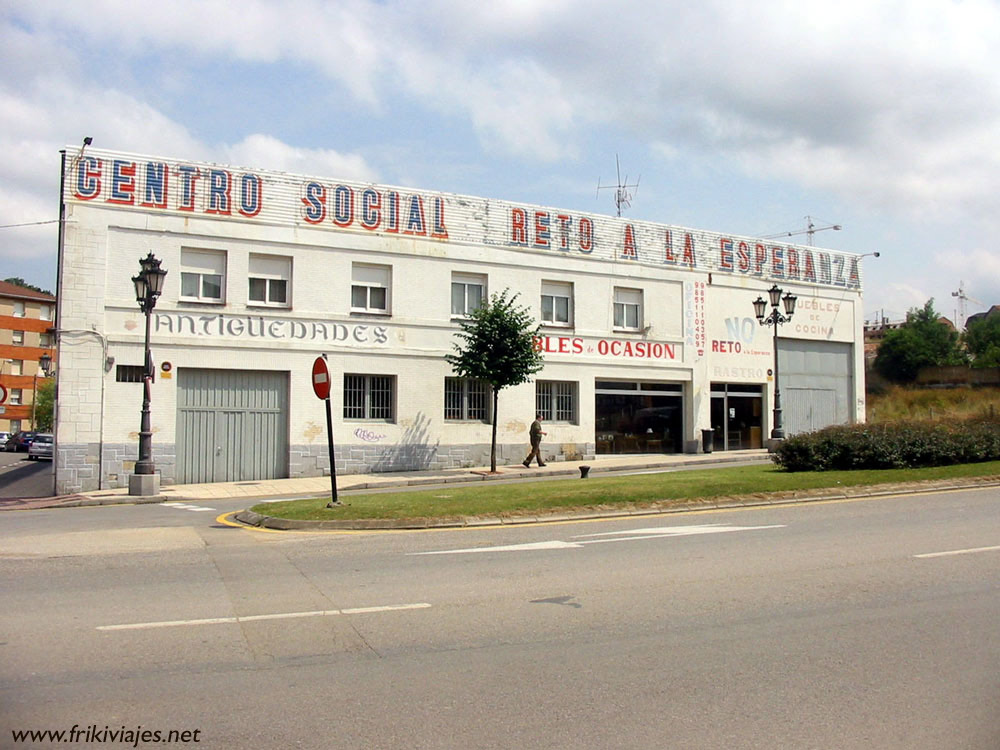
(3, 437)
(41, 447)
(19, 441)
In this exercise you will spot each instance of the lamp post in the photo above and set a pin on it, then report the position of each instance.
(775, 318)
(148, 286)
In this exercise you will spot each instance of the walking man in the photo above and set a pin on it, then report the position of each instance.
(535, 435)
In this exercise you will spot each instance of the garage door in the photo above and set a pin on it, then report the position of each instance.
(232, 425)
(817, 384)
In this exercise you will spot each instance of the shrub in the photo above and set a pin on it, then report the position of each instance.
(901, 445)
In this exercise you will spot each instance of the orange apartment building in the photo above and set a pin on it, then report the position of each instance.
(26, 333)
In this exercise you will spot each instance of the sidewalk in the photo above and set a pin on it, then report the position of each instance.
(273, 489)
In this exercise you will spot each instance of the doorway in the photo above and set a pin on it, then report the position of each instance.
(737, 416)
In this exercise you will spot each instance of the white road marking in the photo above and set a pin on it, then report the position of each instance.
(970, 551)
(555, 544)
(611, 536)
(255, 618)
(186, 506)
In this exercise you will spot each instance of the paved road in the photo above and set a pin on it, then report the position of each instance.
(20, 477)
(822, 625)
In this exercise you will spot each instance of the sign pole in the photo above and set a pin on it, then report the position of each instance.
(333, 465)
(321, 387)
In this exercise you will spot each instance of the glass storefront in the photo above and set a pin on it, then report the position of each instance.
(638, 417)
(737, 416)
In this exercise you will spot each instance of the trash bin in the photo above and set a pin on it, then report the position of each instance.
(707, 440)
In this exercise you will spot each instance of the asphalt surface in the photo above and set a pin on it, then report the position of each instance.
(850, 623)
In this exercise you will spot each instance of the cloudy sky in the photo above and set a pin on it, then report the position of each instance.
(737, 116)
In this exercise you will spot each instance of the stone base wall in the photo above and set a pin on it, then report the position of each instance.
(86, 468)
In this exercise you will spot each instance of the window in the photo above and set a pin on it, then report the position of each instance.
(45, 340)
(557, 303)
(369, 397)
(202, 275)
(467, 293)
(270, 278)
(18, 309)
(556, 400)
(45, 312)
(17, 367)
(132, 374)
(628, 308)
(370, 288)
(466, 399)
(16, 397)
(17, 338)
(15, 426)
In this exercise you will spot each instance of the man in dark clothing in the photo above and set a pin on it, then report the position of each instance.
(535, 435)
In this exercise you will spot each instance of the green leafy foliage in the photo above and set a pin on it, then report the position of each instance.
(900, 445)
(921, 341)
(44, 404)
(497, 345)
(982, 339)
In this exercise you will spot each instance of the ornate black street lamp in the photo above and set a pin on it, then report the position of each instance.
(775, 318)
(148, 286)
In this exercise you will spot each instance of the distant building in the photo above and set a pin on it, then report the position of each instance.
(26, 321)
(975, 317)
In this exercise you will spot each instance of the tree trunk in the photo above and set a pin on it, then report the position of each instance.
(493, 447)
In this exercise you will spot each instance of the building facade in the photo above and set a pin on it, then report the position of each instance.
(26, 333)
(648, 330)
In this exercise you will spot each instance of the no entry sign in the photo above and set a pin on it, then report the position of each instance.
(321, 379)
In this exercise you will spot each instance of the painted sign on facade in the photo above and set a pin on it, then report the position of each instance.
(221, 192)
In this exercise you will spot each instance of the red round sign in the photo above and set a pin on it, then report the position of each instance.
(3, 394)
(321, 379)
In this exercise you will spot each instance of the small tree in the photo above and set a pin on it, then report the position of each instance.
(44, 403)
(923, 340)
(497, 347)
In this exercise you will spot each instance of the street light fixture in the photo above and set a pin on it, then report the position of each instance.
(148, 287)
(775, 318)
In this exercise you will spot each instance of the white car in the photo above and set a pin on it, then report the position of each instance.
(41, 447)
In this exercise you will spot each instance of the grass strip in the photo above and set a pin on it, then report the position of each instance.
(510, 499)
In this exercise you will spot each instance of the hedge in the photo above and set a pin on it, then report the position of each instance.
(900, 445)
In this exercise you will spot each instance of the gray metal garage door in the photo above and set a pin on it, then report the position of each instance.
(232, 425)
(817, 384)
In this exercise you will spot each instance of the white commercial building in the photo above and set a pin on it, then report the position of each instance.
(648, 330)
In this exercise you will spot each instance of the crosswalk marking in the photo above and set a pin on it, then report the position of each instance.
(186, 506)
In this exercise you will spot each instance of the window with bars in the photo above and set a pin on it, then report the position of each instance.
(466, 399)
(369, 397)
(628, 308)
(467, 293)
(556, 400)
(557, 303)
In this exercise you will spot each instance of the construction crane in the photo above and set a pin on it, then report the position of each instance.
(962, 299)
(810, 229)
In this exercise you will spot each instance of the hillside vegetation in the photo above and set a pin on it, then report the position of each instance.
(899, 403)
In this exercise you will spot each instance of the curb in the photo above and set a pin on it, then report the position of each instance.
(256, 520)
(79, 500)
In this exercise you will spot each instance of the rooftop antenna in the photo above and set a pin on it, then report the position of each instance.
(810, 229)
(622, 195)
